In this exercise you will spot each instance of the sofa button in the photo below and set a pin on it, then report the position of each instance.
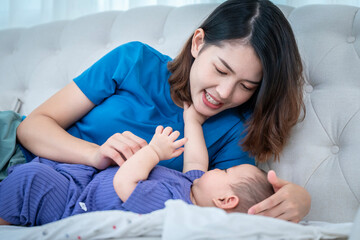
(335, 149)
(161, 40)
(309, 88)
(351, 39)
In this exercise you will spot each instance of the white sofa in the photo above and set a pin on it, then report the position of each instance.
(322, 154)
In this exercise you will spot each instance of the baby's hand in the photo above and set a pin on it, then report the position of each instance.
(190, 114)
(164, 143)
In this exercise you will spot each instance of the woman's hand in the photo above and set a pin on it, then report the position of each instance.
(117, 149)
(290, 202)
(165, 145)
(190, 114)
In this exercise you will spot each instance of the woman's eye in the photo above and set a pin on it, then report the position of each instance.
(246, 88)
(219, 71)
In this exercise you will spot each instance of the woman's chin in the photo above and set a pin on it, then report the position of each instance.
(206, 111)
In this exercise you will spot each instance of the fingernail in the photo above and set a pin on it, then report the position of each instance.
(251, 211)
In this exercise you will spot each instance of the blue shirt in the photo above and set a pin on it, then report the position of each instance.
(130, 89)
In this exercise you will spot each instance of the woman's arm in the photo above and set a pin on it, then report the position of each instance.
(162, 146)
(195, 154)
(43, 133)
(290, 202)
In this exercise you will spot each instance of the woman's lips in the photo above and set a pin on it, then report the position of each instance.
(210, 101)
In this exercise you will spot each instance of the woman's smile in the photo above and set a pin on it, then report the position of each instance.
(211, 101)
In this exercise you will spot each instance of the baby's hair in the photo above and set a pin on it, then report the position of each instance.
(252, 190)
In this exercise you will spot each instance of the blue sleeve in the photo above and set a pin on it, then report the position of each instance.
(102, 79)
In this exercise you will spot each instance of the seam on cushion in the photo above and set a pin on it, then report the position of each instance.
(25, 84)
(357, 52)
(349, 122)
(44, 59)
(61, 47)
(61, 35)
(353, 33)
(118, 13)
(290, 13)
(318, 118)
(315, 170)
(65, 24)
(318, 166)
(166, 20)
(353, 20)
(322, 59)
(347, 183)
(340, 166)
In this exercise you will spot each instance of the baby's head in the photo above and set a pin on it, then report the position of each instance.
(235, 189)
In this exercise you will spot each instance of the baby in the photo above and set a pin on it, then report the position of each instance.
(44, 191)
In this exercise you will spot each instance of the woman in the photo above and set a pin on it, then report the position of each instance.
(241, 68)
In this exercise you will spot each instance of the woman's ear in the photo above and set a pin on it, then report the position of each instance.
(197, 42)
(227, 203)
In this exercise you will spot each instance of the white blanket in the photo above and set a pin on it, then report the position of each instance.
(177, 221)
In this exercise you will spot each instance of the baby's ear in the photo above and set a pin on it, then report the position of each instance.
(226, 203)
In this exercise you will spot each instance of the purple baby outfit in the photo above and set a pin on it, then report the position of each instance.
(44, 191)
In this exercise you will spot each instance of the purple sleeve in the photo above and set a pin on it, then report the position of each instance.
(148, 196)
(151, 194)
(194, 174)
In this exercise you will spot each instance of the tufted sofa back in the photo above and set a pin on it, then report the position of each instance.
(321, 154)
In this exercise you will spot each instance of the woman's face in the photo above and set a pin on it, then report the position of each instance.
(222, 77)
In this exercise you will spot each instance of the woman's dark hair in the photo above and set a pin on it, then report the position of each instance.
(277, 103)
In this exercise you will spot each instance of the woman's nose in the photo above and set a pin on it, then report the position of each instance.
(225, 89)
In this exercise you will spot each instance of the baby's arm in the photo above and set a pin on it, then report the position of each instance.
(195, 155)
(162, 146)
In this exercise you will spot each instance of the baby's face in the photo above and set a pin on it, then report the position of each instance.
(215, 183)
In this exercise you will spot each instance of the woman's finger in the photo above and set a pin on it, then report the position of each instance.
(138, 140)
(126, 144)
(266, 204)
(109, 156)
(288, 217)
(123, 145)
(274, 212)
(117, 157)
(276, 182)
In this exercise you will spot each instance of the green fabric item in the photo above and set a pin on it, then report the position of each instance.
(10, 152)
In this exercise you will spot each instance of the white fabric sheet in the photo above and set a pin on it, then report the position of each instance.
(193, 222)
(177, 221)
